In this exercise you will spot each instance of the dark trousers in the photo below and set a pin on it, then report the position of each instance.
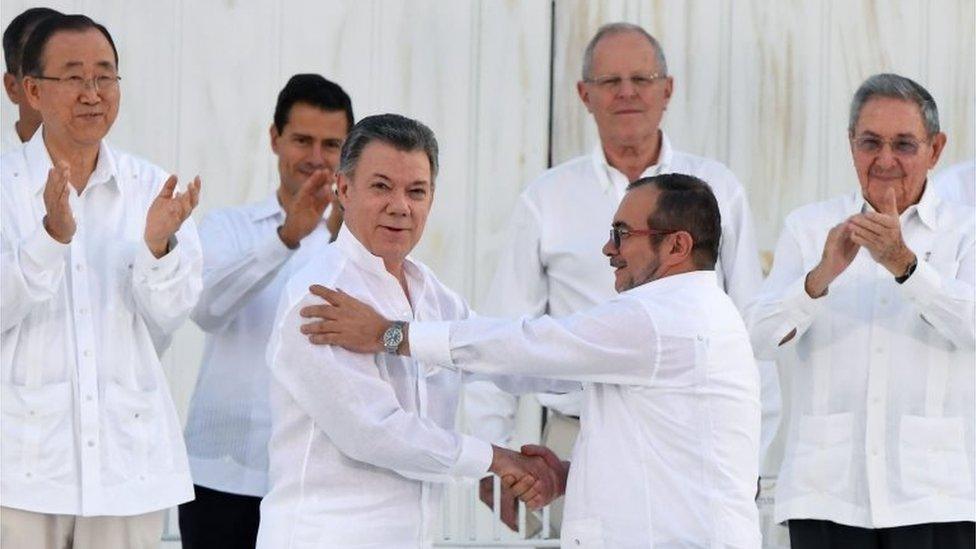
(219, 520)
(822, 534)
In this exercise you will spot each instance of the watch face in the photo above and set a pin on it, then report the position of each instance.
(392, 337)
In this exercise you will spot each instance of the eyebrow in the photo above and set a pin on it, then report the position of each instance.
(100, 64)
(620, 225)
(869, 133)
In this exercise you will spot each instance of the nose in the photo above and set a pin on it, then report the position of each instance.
(398, 204)
(886, 156)
(627, 88)
(317, 156)
(609, 249)
(89, 94)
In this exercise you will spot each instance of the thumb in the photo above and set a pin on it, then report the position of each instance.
(168, 187)
(891, 203)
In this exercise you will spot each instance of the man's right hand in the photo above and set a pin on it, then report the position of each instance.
(527, 477)
(304, 210)
(58, 220)
(838, 254)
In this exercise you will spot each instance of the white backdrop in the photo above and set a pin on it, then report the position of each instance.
(762, 85)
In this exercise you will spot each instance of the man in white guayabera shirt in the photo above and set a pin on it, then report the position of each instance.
(248, 254)
(551, 262)
(360, 445)
(869, 311)
(101, 263)
(670, 422)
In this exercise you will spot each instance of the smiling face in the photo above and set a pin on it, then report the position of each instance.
(387, 200)
(75, 118)
(310, 140)
(627, 114)
(890, 121)
(637, 260)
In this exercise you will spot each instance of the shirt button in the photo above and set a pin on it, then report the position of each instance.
(79, 267)
(878, 350)
(89, 398)
(86, 353)
(28, 474)
(83, 311)
(91, 443)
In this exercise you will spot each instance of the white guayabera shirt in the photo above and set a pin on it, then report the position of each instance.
(89, 426)
(360, 444)
(245, 268)
(669, 435)
(878, 381)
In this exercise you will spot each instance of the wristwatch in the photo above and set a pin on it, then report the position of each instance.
(908, 272)
(393, 337)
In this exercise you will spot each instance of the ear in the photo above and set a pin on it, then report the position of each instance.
(32, 93)
(273, 133)
(668, 91)
(12, 86)
(584, 94)
(681, 246)
(342, 189)
(938, 145)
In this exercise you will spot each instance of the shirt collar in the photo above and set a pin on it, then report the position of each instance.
(926, 207)
(355, 251)
(670, 283)
(269, 207)
(603, 167)
(39, 163)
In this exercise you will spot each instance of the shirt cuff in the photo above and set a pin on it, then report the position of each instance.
(474, 459)
(155, 269)
(43, 249)
(923, 283)
(430, 343)
(799, 306)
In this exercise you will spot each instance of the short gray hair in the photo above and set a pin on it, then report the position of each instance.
(611, 29)
(400, 132)
(894, 86)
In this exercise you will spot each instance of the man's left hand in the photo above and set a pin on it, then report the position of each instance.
(168, 212)
(344, 321)
(880, 233)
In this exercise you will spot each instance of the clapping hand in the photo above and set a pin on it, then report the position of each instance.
(58, 219)
(168, 212)
(304, 210)
(880, 233)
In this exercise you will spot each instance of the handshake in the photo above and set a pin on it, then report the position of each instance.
(535, 476)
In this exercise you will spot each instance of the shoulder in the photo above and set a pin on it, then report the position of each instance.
(13, 170)
(820, 216)
(719, 177)
(576, 171)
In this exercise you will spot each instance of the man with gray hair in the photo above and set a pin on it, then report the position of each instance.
(869, 311)
(552, 264)
(360, 444)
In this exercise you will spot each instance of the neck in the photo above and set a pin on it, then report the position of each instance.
(633, 157)
(27, 124)
(673, 270)
(81, 160)
(395, 268)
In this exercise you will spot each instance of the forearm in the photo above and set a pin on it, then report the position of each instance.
(32, 274)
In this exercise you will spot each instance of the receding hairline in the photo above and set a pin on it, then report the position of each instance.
(47, 46)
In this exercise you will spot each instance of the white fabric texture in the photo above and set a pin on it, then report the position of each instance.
(245, 268)
(670, 424)
(878, 381)
(89, 426)
(957, 183)
(9, 140)
(361, 444)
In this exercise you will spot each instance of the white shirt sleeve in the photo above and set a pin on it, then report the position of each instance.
(739, 251)
(615, 342)
(32, 273)
(357, 409)
(783, 303)
(947, 304)
(233, 274)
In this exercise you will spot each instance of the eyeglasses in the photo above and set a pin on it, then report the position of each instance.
(904, 147)
(620, 233)
(612, 83)
(77, 84)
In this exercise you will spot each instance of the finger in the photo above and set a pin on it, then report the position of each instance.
(323, 339)
(523, 485)
(868, 225)
(318, 311)
(887, 221)
(168, 187)
(866, 239)
(195, 187)
(320, 327)
(891, 202)
(327, 294)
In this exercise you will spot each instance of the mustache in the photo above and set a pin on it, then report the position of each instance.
(877, 172)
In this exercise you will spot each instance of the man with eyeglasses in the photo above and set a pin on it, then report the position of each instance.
(101, 264)
(551, 262)
(670, 432)
(14, 37)
(869, 311)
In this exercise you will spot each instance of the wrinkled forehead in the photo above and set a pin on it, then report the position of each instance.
(890, 117)
(637, 205)
(67, 49)
(623, 52)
